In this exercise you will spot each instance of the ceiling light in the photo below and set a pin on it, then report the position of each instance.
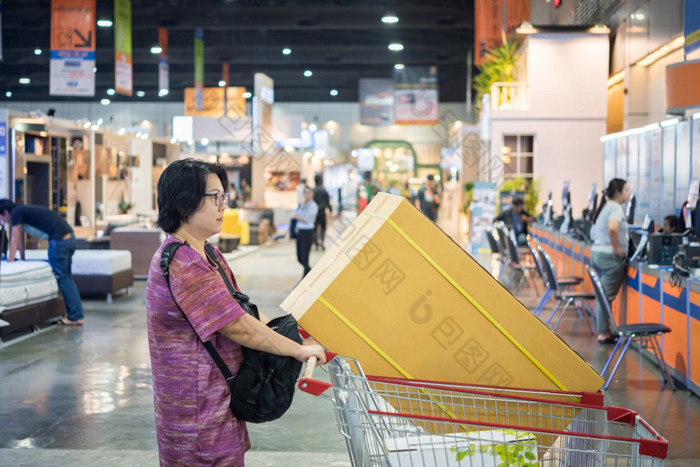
(86, 125)
(24, 81)
(99, 121)
(390, 18)
(104, 23)
(247, 95)
(616, 78)
(205, 141)
(94, 69)
(140, 93)
(122, 131)
(110, 92)
(334, 92)
(665, 49)
(395, 47)
(156, 49)
(525, 28)
(308, 73)
(8, 94)
(399, 66)
(105, 101)
(163, 92)
(222, 83)
(286, 51)
(37, 51)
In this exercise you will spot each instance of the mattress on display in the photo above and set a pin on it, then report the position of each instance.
(24, 283)
(91, 262)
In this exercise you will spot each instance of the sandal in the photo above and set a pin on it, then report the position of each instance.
(67, 322)
(608, 340)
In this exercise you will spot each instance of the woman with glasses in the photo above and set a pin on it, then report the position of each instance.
(194, 425)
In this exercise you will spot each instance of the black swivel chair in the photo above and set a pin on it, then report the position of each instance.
(562, 284)
(566, 297)
(524, 269)
(646, 334)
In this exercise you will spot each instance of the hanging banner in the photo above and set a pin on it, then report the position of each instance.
(416, 96)
(691, 26)
(225, 73)
(123, 69)
(163, 66)
(4, 163)
(376, 102)
(0, 30)
(491, 26)
(213, 100)
(199, 68)
(72, 67)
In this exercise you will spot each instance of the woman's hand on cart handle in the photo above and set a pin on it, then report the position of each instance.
(308, 351)
(310, 385)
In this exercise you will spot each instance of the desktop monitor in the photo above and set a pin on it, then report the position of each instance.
(631, 206)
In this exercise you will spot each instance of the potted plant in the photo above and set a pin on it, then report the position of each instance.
(498, 66)
(124, 206)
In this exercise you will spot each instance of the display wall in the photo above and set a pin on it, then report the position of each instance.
(658, 161)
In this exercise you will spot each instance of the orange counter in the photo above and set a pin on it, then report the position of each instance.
(646, 296)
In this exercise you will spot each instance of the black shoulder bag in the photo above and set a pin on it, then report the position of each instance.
(263, 388)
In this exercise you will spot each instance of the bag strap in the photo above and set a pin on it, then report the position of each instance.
(239, 296)
(167, 254)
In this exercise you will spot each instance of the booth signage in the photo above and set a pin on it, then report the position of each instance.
(691, 26)
(72, 48)
(416, 96)
(213, 102)
(123, 69)
(163, 66)
(376, 102)
(199, 68)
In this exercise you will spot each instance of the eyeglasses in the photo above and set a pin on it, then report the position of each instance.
(221, 199)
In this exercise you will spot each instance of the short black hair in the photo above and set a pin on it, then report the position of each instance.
(518, 202)
(431, 177)
(6, 205)
(181, 189)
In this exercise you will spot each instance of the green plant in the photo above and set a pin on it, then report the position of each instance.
(124, 206)
(498, 66)
(530, 190)
(468, 196)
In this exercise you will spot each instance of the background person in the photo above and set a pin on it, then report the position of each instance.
(516, 219)
(672, 224)
(61, 249)
(323, 202)
(306, 217)
(610, 234)
(429, 198)
(194, 425)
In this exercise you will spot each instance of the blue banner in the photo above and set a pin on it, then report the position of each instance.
(691, 25)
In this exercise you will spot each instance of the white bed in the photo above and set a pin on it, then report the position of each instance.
(91, 262)
(24, 283)
(96, 272)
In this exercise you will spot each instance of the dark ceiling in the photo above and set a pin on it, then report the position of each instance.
(341, 41)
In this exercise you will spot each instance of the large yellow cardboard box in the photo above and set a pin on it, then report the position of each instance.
(399, 295)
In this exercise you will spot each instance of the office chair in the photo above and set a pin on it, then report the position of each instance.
(526, 270)
(564, 283)
(646, 334)
(496, 253)
(566, 297)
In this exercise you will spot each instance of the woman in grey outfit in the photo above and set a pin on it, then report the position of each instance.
(609, 252)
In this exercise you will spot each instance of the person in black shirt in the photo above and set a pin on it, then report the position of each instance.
(323, 201)
(516, 219)
(61, 248)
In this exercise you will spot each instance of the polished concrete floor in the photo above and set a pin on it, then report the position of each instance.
(82, 396)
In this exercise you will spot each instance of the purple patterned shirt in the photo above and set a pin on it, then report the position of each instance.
(194, 424)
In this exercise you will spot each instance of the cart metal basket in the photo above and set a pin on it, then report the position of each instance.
(397, 422)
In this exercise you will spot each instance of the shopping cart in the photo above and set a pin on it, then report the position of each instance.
(396, 422)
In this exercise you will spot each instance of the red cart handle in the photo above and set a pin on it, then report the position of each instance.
(310, 385)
